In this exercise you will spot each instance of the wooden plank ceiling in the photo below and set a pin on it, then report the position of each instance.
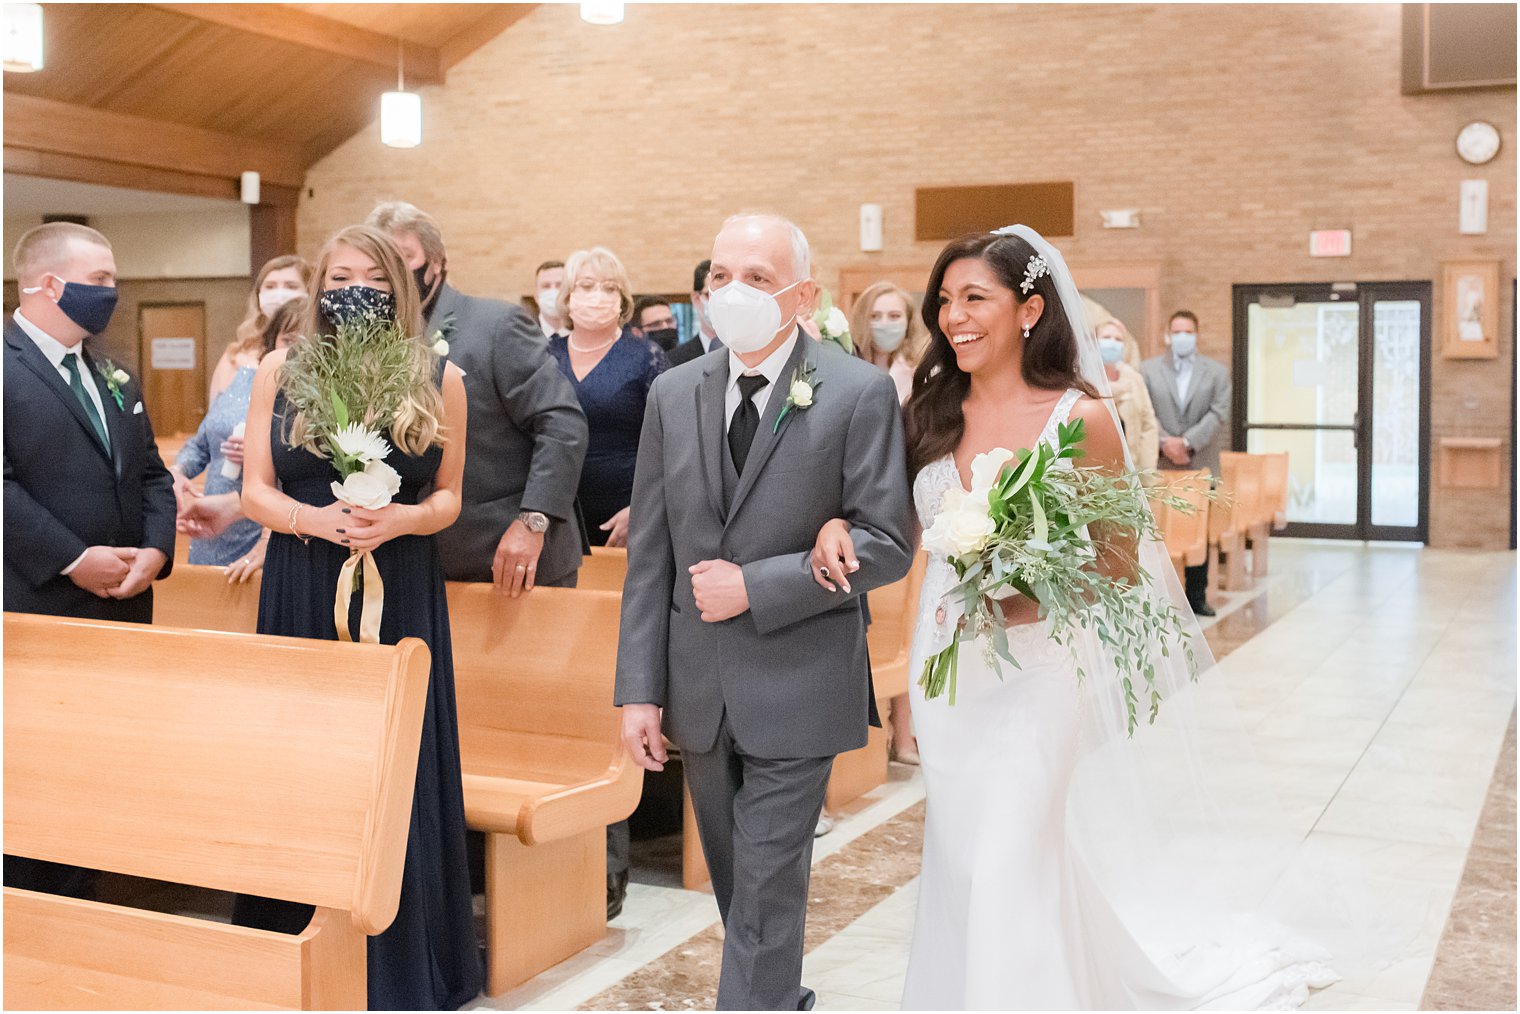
(201, 89)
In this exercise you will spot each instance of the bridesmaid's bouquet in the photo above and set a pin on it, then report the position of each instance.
(1024, 530)
(348, 388)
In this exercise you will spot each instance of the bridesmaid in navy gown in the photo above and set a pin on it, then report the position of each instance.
(428, 959)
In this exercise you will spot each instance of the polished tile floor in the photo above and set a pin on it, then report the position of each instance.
(1378, 681)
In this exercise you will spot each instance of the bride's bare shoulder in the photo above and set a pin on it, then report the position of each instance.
(1102, 439)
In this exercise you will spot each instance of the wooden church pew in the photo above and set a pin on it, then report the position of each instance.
(273, 766)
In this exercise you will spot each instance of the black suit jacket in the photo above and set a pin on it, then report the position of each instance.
(685, 352)
(65, 493)
(526, 440)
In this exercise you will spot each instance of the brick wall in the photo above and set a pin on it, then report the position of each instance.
(1234, 129)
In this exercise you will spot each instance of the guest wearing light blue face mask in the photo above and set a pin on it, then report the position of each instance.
(887, 331)
(1132, 400)
(1191, 395)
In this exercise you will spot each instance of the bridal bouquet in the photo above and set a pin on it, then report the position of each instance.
(349, 389)
(1024, 529)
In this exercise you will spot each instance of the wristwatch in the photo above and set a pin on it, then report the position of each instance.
(535, 521)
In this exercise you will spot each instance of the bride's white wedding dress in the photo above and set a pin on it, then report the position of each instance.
(1009, 913)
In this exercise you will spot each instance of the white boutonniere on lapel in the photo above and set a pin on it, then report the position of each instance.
(439, 339)
(800, 393)
(114, 377)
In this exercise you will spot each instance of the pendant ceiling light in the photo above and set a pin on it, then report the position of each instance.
(400, 111)
(602, 12)
(23, 37)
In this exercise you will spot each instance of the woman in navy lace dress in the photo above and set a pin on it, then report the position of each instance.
(611, 372)
(428, 959)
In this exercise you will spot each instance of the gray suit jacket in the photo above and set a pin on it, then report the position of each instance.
(1203, 418)
(792, 673)
(526, 438)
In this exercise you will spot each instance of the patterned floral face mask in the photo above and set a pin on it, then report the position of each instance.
(351, 304)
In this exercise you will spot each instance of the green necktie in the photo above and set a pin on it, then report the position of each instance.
(71, 363)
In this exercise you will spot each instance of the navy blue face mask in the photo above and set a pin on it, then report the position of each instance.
(89, 306)
(354, 303)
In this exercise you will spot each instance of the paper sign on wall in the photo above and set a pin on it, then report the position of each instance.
(173, 354)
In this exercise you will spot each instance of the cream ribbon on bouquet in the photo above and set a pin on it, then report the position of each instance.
(371, 484)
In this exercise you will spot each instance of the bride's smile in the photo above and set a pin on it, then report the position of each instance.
(980, 315)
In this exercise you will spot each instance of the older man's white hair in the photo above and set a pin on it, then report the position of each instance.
(802, 255)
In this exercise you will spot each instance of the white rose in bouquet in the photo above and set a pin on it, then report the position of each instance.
(970, 528)
(371, 489)
(836, 323)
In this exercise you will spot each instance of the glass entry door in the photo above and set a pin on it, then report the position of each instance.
(1339, 378)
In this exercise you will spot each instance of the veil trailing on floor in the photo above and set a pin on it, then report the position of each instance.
(1182, 825)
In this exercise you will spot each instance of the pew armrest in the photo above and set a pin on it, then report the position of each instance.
(538, 812)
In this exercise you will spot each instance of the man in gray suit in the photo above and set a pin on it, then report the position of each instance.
(761, 673)
(526, 437)
(1191, 394)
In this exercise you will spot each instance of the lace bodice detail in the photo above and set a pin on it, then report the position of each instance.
(937, 476)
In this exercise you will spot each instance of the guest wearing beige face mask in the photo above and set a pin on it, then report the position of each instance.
(611, 373)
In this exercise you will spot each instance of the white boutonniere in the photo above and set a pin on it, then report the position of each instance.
(800, 393)
(115, 378)
(833, 325)
(440, 337)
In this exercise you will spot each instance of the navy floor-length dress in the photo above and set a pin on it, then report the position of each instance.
(429, 957)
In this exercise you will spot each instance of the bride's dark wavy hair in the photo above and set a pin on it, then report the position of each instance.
(932, 417)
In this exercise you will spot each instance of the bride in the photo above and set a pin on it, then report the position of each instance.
(1067, 865)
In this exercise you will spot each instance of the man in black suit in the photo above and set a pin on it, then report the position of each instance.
(653, 322)
(706, 339)
(89, 506)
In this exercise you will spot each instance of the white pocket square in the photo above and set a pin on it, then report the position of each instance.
(137, 409)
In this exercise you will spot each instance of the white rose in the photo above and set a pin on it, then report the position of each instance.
(362, 490)
(386, 474)
(968, 531)
(362, 443)
(936, 538)
(985, 469)
(802, 394)
(120, 376)
(837, 322)
(441, 347)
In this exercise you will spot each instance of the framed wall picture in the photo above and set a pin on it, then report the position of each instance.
(1470, 310)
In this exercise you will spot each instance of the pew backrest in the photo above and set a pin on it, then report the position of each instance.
(534, 681)
(280, 767)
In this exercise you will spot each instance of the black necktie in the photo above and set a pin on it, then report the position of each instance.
(746, 421)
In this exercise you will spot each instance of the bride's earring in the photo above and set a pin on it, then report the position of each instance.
(1026, 331)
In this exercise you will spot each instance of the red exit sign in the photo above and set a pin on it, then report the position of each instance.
(1330, 243)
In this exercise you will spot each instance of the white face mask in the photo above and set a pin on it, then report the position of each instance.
(271, 300)
(1183, 343)
(746, 318)
(888, 337)
(547, 300)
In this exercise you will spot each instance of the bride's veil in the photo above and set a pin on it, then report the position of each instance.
(1183, 824)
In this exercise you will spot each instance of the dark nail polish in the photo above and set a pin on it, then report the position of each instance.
(342, 531)
(347, 511)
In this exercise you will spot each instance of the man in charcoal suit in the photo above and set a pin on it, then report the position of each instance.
(759, 673)
(89, 505)
(1191, 394)
(527, 435)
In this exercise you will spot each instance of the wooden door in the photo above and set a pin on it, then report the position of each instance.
(172, 354)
